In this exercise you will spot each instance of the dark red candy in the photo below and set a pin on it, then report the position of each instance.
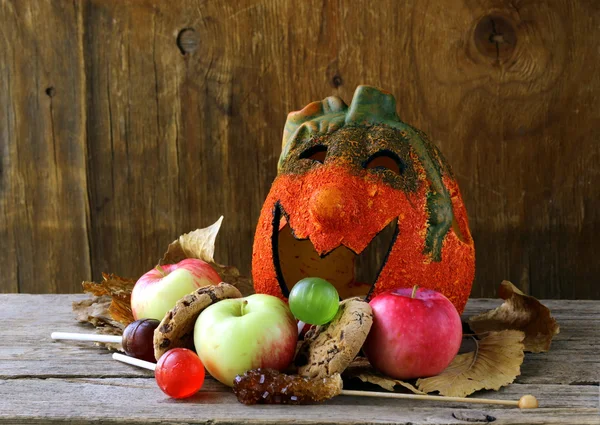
(138, 339)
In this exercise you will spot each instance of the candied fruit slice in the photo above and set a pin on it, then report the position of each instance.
(268, 386)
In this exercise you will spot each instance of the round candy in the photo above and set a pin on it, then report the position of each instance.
(314, 301)
(138, 339)
(179, 373)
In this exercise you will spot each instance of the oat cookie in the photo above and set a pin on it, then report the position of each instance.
(176, 330)
(330, 348)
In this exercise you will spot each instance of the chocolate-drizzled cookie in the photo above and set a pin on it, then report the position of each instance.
(176, 330)
(330, 348)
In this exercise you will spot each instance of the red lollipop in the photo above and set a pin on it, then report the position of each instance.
(179, 372)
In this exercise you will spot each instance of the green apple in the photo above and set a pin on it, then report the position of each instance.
(236, 335)
(156, 292)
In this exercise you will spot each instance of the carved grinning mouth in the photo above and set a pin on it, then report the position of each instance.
(353, 274)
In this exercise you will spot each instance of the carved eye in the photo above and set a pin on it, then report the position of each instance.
(385, 160)
(316, 153)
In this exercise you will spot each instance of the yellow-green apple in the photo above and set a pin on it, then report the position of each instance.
(415, 333)
(236, 335)
(156, 292)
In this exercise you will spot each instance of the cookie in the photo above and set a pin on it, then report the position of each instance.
(176, 330)
(330, 348)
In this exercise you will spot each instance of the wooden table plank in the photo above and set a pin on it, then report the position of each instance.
(28, 351)
(573, 356)
(139, 400)
(572, 359)
(42, 381)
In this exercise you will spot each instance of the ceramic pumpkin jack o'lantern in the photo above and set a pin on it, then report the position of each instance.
(347, 175)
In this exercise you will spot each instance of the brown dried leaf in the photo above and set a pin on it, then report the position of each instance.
(385, 382)
(519, 312)
(198, 244)
(496, 363)
(95, 311)
(231, 275)
(110, 309)
(361, 369)
(111, 305)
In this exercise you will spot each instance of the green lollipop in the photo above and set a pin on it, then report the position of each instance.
(314, 301)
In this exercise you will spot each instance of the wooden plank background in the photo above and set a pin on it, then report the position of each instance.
(124, 124)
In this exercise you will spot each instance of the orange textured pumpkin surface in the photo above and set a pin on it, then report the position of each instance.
(345, 176)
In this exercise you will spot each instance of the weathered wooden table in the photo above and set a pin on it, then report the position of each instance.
(42, 381)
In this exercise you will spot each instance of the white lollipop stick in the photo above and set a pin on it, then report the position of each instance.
(525, 402)
(134, 362)
(87, 337)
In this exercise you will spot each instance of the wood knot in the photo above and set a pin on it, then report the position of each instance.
(188, 41)
(473, 416)
(50, 91)
(495, 37)
(336, 81)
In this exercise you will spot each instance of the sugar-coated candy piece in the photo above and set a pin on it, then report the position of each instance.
(269, 386)
(179, 373)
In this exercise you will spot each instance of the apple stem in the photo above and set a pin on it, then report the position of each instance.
(414, 292)
(160, 270)
(244, 304)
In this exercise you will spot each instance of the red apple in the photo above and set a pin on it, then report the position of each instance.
(415, 333)
(156, 292)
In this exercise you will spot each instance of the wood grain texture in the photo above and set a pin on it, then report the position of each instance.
(44, 216)
(42, 381)
(138, 400)
(142, 139)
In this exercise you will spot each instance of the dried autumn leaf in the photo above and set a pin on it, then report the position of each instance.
(116, 313)
(232, 276)
(519, 312)
(200, 244)
(496, 363)
(95, 311)
(386, 382)
(366, 373)
(110, 309)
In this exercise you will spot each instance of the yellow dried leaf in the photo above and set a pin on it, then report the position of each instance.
(385, 382)
(361, 368)
(496, 363)
(519, 312)
(198, 244)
